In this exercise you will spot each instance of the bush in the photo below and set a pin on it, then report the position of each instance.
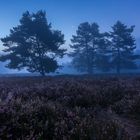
(67, 108)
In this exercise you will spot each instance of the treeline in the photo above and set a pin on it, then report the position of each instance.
(34, 45)
(103, 51)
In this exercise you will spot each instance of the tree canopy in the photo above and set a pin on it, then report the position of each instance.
(123, 46)
(33, 45)
(89, 48)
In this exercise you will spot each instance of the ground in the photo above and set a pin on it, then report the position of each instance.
(70, 108)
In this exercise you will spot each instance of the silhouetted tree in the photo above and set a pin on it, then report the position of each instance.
(123, 46)
(85, 47)
(33, 45)
(88, 47)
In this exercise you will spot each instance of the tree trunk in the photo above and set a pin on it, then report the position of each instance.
(42, 73)
(89, 59)
(90, 70)
(118, 62)
(118, 69)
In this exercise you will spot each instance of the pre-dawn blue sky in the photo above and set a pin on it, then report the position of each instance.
(66, 15)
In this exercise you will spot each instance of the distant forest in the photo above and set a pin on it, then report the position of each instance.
(35, 45)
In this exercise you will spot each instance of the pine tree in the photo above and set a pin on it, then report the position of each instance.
(87, 48)
(123, 46)
(33, 45)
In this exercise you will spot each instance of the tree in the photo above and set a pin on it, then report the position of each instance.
(81, 55)
(103, 58)
(123, 46)
(86, 46)
(33, 45)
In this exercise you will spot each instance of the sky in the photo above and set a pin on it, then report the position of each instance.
(66, 15)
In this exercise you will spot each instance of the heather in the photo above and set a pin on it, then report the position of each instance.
(70, 108)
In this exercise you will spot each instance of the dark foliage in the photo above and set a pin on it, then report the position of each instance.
(33, 45)
(90, 48)
(103, 51)
(69, 108)
(123, 46)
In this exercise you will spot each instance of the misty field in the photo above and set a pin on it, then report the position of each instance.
(70, 108)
